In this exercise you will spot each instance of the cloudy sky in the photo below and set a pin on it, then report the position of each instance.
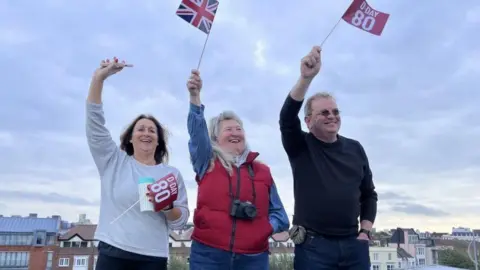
(410, 96)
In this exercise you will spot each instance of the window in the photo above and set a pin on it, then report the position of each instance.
(389, 256)
(16, 239)
(421, 261)
(290, 245)
(49, 260)
(84, 244)
(421, 251)
(67, 244)
(51, 240)
(399, 265)
(375, 256)
(64, 262)
(375, 267)
(390, 266)
(80, 261)
(413, 239)
(40, 238)
(14, 259)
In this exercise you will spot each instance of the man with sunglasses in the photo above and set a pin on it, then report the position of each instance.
(333, 184)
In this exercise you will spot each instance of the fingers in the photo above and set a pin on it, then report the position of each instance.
(196, 72)
(114, 63)
(194, 82)
(317, 49)
(313, 57)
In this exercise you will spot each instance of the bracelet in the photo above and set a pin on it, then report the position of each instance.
(170, 207)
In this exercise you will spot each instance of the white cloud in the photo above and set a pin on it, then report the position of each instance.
(473, 15)
(11, 36)
(259, 54)
(111, 43)
(6, 139)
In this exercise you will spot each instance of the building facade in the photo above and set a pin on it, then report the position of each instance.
(423, 251)
(28, 243)
(77, 249)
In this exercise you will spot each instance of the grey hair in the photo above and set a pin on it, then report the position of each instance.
(308, 105)
(225, 158)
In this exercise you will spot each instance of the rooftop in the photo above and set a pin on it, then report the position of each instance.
(84, 231)
(17, 224)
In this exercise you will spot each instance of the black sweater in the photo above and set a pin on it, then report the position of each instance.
(332, 181)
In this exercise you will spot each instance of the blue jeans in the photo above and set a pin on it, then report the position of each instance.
(320, 253)
(203, 257)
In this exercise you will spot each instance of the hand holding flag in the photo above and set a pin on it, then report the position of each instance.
(311, 64)
(163, 192)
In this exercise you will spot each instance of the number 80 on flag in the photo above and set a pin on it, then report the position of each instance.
(361, 15)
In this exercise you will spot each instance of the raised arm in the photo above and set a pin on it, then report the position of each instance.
(102, 147)
(199, 145)
(276, 212)
(290, 125)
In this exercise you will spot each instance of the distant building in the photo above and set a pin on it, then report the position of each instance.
(28, 243)
(77, 249)
(82, 220)
(423, 251)
(384, 258)
(463, 233)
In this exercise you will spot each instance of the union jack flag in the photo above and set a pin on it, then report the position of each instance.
(199, 13)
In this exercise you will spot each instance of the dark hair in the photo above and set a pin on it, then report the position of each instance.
(161, 153)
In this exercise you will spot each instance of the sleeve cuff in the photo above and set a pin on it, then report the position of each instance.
(293, 102)
(94, 106)
(197, 109)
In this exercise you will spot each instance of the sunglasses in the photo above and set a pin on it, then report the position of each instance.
(327, 113)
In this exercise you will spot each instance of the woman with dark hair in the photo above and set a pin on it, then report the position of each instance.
(129, 238)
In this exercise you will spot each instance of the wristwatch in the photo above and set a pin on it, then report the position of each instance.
(166, 209)
(365, 231)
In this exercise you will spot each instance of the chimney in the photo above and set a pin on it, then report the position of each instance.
(398, 237)
(33, 215)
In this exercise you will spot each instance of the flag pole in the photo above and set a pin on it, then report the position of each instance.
(331, 31)
(203, 50)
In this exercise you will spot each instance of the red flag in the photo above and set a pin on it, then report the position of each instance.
(361, 15)
(164, 191)
(199, 13)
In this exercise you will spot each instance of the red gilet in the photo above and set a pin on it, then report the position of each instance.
(213, 224)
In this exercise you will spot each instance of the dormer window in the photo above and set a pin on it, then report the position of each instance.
(39, 238)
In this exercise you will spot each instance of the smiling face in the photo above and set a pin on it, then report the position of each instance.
(231, 137)
(144, 136)
(324, 119)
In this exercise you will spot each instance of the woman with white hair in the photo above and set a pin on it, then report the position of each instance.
(238, 206)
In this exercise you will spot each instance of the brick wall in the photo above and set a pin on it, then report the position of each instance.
(38, 255)
(70, 253)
